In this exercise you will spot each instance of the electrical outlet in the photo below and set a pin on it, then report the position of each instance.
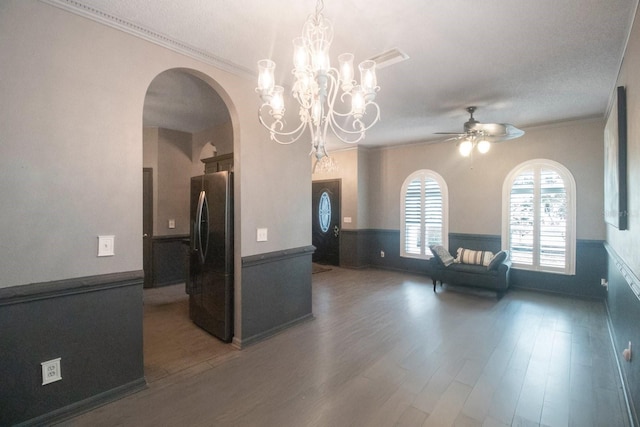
(261, 235)
(51, 371)
(381, 254)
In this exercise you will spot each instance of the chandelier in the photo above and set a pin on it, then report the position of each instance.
(316, 87)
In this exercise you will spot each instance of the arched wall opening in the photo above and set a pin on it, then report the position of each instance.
(187, 117)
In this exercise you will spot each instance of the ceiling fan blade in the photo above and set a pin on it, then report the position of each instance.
(457, 137)
(491, 129)
(497, 132)
(492, 132)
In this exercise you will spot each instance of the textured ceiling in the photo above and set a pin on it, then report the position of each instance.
(521, 62)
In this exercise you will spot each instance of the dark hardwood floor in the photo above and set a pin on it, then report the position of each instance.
(172, 342)
(384, 350)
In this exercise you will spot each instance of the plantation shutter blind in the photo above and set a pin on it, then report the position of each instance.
(538, 219)
(553, 219)
(412, 215)
(521, 218)
(423, 215)
(432, 213)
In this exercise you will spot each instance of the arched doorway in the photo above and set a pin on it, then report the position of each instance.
(183, 117)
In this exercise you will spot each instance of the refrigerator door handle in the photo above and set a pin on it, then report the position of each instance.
(202, 227)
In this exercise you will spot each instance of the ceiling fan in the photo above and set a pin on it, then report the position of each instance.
(481, 135)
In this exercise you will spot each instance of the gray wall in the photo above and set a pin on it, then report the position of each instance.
(170, 157)
(624, 246)
(475, 183)
(347, 171)
(72, 148)
(627, 243)
(353, 171)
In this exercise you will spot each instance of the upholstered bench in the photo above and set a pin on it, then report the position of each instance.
(481, 269)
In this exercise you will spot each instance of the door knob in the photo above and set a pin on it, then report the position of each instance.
(145, 235)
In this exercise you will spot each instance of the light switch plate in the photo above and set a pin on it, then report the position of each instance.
(106, 245)
(261, 235)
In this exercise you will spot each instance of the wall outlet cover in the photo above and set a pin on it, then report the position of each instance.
(51, 371)
(106, 245)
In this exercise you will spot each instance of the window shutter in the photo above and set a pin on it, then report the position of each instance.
(432, 213)
(521, 218)
(412, 214)
(540, 229)
(423, 214)
(553, 220)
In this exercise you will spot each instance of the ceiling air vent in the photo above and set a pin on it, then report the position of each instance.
(389, 57)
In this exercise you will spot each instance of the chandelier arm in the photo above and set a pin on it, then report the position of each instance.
(331, 99)
(275, 133)
(337, 129)
(303, 101)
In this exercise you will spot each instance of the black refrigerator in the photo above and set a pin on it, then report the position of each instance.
(210, 284)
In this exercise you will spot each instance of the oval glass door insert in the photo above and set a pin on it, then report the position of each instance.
(324, 212)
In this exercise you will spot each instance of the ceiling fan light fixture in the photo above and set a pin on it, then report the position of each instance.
(465, 147)
(480, 135)
(483, 146)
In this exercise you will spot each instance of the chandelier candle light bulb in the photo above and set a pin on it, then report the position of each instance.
(266, 68)
(277, 102)
(316, 89)
(346, 71)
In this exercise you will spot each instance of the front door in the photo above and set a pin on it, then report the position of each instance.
(325, 196)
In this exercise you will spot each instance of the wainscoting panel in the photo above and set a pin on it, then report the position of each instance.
(591, 263)
(276, 293)
(477, 242)
(170, 257)
(623, 303)
(591, 266)
(94, 324)
(388, 241)
(354, 248)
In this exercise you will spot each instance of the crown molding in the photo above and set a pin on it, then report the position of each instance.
(149, 35)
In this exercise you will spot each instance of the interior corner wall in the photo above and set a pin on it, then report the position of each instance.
(150, 160)
(363, 188)
(347, 173)
(221, 136)
(174, 183)
(623, 299)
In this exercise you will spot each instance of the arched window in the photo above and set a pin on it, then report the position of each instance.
(424, 214)
(539, 217)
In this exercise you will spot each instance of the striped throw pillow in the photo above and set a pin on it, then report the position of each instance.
(468, 256)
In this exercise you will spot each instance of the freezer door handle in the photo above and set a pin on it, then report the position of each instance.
(202, 227)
